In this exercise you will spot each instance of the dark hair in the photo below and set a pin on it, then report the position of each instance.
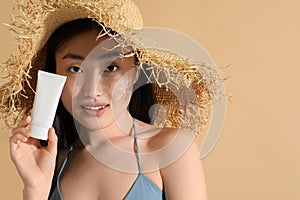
(141, 100)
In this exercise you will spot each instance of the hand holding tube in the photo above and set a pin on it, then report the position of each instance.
(35, 164)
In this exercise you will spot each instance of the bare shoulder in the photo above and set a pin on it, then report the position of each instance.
(158, 138)
(180, 165)
(171, 137)
(184, 178)
(165, 145)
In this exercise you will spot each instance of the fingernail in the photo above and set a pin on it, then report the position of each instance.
(25, 139)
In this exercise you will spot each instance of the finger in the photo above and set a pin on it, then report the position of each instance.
(25, 122)
(52, 141)
(18, 138)
(15, 140)
(22, 130)
(26, 133)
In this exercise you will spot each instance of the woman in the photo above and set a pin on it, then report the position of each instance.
(92, 116)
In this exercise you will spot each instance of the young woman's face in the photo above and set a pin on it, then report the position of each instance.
(99, 81)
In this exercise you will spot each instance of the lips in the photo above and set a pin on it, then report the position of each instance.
(94, 109)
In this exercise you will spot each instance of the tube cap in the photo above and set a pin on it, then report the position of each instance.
(39, 132)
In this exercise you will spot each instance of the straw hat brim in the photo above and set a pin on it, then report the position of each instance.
(33, 25)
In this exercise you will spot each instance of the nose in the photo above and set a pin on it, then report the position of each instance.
(92, 86)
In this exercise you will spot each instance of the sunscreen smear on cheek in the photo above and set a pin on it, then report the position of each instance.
(48, 90)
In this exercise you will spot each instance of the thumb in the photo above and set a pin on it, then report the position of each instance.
(52, 141)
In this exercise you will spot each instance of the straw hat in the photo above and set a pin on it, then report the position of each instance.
(34, 21)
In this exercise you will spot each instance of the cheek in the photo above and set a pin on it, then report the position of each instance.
(107, 84)
(67, 95)
(122, 91)
(122, 83)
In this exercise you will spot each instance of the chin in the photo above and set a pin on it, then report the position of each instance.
(94, 122)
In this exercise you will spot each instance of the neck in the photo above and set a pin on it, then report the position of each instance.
(120, 127)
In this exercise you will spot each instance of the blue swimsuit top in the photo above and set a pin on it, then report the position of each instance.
(142, 189)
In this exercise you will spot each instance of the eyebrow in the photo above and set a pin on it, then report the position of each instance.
(111, 54)
(108, 55)
(73, 56)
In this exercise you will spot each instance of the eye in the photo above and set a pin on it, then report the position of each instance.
(75, 69)
(111, 68)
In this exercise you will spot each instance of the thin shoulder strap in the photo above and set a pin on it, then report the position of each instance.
(64, 163)
(136, 147)
(56, 193)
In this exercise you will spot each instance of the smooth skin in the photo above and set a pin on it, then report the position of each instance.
(84, 176)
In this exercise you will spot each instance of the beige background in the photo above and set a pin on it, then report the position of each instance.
(257, 156)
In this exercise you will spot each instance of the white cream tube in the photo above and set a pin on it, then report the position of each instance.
(48, 90)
